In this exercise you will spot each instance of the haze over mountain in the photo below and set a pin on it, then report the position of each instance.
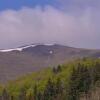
(67, 22)
(26, 59)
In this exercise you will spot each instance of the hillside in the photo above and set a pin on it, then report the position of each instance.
(26, 59)
(77, 80)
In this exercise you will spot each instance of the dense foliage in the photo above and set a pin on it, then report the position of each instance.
(71, 81)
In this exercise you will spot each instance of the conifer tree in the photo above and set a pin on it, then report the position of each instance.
(59, 86)
(54, 70)
(5, 95)
(49, 91)
(59, 68)
(39, 96)
(22, 95)
(35, 92)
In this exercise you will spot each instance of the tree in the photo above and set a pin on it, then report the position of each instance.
(12, 97)
(72, 92)
(80, 81)
(59, 86)
(5, 95)
(39, 96)
(54, 70)
(85, 79)
(35, 92)
(49, 91)
(59, 69)
(22, 95)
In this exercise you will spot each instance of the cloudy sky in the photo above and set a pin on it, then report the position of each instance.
(68, 22)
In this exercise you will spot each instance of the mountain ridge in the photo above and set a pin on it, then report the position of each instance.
(24, 47)
(24, 60)
(20, 48)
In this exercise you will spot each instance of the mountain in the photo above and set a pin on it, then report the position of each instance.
(26, 59)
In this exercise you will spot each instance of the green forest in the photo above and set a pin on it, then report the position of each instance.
(76, 80)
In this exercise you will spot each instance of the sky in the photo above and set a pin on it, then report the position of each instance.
(68, 22)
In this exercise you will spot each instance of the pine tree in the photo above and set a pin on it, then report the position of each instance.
(59, 69)
(54, 70)
(72, 92)
(85, 79)
(49, 91)
(39, 96)
(5, 95)
(59, 86)
(35, 92)
(22, 95)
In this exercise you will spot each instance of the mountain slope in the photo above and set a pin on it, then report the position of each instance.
(26, 59)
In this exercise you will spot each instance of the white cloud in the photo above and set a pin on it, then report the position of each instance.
(49, 25)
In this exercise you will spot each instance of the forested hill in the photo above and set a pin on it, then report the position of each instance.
(77, 80)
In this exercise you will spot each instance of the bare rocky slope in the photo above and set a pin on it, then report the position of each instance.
(23, 60)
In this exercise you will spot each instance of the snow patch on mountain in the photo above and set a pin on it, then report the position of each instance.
(49, 44)
(24, 47)
(17, 49)
(51, 52)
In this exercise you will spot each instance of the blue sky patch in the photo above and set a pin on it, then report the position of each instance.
(17, 4)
